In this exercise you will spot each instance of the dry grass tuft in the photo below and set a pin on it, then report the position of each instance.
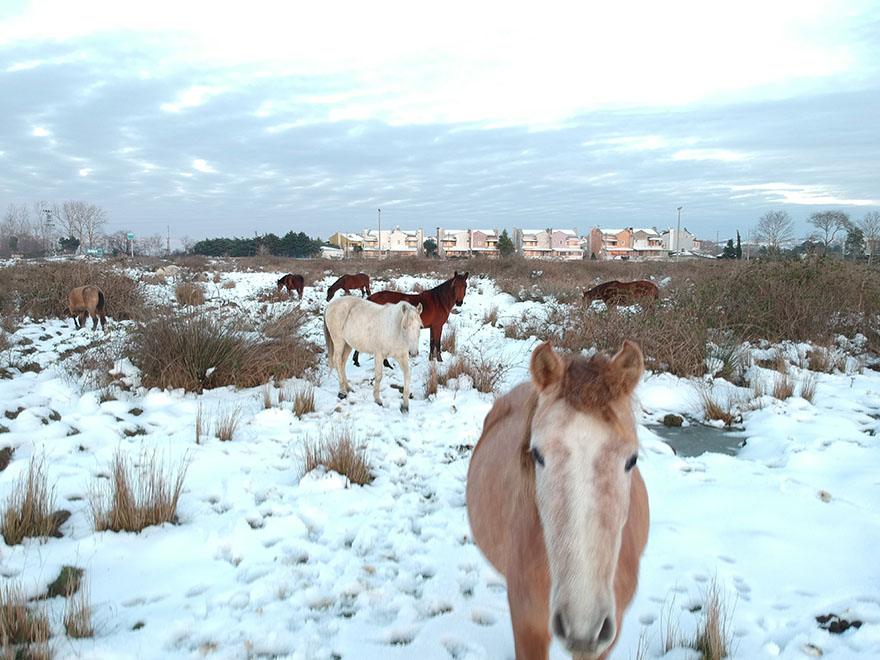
(825, 359)
(432, 380)
(491, 316)
(714, 637)
(808, 386)
(338, 451)
(200, 424)
(229, 284)
(29, 508)
(447, 341)
(303, 399)
(484, 373)
(138, 494)
(77, 617)
(266, 395)
(21, 626)
(189, 294)
(714, 409)
(226, 423)
(783, 386)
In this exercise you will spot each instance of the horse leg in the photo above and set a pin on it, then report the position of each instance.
(435, 343)
(103, 322)
(378, 369)
(340, 372)
(346, 351)
(531, 636)
(94, 321)
(355, 359)
(82, 319)
(404, 407)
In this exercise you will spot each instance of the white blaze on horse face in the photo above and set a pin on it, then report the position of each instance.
(582, 491)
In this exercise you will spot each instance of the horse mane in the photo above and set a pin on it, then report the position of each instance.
(443, 292)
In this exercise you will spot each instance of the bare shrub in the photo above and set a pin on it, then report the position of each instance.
(303, 399)
(783, 387)
(284, 323)
(198, 350)
(189, 294)
(226, 423)
(448, 340)
(714, 637)
(338, 451)
(432, 379)
(29, 509)
(138, 493)
(21, 626)
(491, 316)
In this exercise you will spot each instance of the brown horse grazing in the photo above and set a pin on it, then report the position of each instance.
(556, 503)
(436, 304)
(622, 293)
(293, 283)
(360, 281)
(87, 300)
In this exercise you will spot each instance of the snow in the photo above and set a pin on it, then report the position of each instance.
(263, 563)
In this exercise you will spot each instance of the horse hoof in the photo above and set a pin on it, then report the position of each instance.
(404, 409)
(342, 395)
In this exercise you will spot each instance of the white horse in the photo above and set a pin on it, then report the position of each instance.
(382, 330)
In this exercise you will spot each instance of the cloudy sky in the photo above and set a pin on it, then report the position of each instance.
(224, 118)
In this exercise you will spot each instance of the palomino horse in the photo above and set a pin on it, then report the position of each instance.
(622, 293)
(436, 304)
(293, 283)
(347, 282)
(383, 330)
(87, 301)
(556, 503)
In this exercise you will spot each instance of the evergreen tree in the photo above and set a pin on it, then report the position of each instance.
(739, 247)
(729, 251)
(430, 246)
(854, 247)
(505, 245)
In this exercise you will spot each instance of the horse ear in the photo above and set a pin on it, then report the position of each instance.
(546, 367)
(465, 275)
(630, 364)
(419, 308)
(455, 273)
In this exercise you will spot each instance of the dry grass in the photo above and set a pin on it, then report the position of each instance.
(714, 637)
(24, 631)
(77, 617)
(825, 359)
(808, 386)
(29, 507)
(484, 373)
(189, 294)
(228, 284)
(448, 340)
(137, 494)
(226, 422)
(303, 399)
(200, 350)
(716, 409)
(200, 424)
(340, 452)
(783, 387)
(432, 379)
(266, 396)
(491, 316)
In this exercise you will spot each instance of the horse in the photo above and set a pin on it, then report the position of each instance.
(556, 504)
(436, 304)
(383, 330)
(360, 281)
(622, 293)
(87, 300)
(293, 283)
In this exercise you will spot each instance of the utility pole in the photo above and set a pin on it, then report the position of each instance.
(380, 233)
(168, 242)
(678, 234)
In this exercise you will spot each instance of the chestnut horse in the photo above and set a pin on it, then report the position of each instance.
(436, 304)
(347, 282)
(87, 300)
(293, 283)
(556, 503)
(622, 293)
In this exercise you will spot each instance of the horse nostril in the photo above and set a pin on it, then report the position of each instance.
(559, 625)
(606, 633)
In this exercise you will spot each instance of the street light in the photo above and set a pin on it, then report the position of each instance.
(380, 233)
(678, 233)
(47, 227)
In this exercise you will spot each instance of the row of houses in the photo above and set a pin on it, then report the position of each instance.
(550, 243)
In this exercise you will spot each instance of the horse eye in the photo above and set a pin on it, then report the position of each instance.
(631, 463)
(537, 456)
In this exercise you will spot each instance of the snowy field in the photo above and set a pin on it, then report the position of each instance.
(264, 564)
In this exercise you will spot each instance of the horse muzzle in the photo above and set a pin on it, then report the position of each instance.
(590, 642)
(414, 353)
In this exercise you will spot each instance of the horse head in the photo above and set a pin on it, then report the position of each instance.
(411, 324)
(583, 446)
(459, 287)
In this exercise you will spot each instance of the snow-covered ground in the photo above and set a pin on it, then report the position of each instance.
(264, 564)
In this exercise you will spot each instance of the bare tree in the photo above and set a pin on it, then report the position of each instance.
(187, 243)
(116, 243)
(870, 226)
(829, 224)
(150, 246)
(19, 233)
(774, 228)
(83, 221)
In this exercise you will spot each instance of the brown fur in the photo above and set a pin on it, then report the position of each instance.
(293, 283)
(347, 282)
(504, 517)
(87, 301)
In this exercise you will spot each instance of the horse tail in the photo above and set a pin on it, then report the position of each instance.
(329, 342)
(100, 306)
